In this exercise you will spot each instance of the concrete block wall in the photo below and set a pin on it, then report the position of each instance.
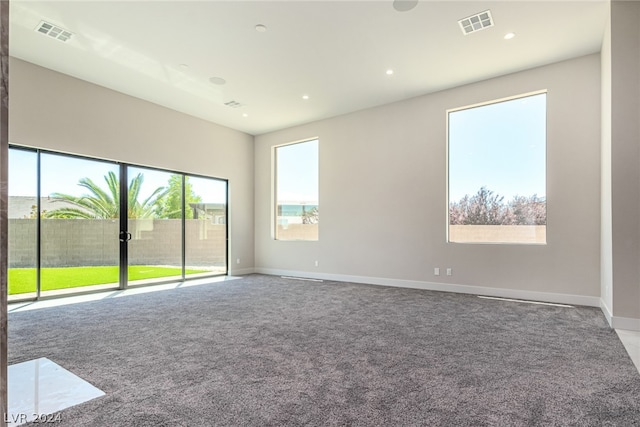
(87, 242)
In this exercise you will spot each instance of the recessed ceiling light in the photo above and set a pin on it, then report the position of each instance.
(261, 28)
(305, 97)
(389, 72)
(245, 115)
(509, 36)
(217, 80)
(404, 5)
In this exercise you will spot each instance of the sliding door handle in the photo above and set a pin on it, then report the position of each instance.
(125, 236)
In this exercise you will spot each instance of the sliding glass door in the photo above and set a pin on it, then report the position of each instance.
(205, 208)
(67, 232)
(79, 223)
(155, 225)
(23, 224)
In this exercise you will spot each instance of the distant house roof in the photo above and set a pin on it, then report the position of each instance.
(298, 203)
(23, 206)
(207, 206)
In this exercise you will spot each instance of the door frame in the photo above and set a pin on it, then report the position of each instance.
(124, 236)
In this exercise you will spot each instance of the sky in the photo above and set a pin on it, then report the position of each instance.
(62, 173)
(297, 172)
(499, 146)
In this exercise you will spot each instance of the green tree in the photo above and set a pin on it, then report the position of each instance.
(310, 216)
(488, 208)
(529, 210)
(483, 208)
(104, 203)
(170, 207)
(34, 212)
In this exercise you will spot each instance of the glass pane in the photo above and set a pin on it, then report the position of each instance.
(155, 223)
(205, 226)
(297, 191)
(79, 231)
(497, 172)
(23, 215)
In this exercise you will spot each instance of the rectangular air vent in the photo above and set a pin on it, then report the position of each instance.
(477, 22)
(54, 31)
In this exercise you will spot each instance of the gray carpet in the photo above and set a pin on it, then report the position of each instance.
(266, 351)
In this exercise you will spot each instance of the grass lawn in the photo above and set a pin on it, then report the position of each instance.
(23, 280)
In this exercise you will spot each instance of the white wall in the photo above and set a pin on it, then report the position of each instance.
(53, 111)
(606, 253)
(383, 195)
(625, 161)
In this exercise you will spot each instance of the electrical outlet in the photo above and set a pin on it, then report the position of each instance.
(449, 271)
(238, 261)
(436, 271)
(316, 263)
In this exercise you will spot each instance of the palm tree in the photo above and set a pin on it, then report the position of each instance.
(104, 204)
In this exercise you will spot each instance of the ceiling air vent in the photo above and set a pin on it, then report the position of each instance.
(54, 31)
(477, 22)
(233, 104)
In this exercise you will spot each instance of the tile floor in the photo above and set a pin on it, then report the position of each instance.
(40, 387)
(631, 341)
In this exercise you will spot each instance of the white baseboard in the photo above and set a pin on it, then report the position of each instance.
(626, 323)
(444, 287)
(606, 311)
(241, 271)
(617, 322)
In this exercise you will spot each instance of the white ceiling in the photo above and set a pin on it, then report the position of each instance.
(336, 52)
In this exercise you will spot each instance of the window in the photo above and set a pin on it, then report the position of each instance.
(497, 172)
(296, 191)
(23, 223)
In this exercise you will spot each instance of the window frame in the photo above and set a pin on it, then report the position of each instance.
(274, 188)
(123, 282)
(448, 162)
